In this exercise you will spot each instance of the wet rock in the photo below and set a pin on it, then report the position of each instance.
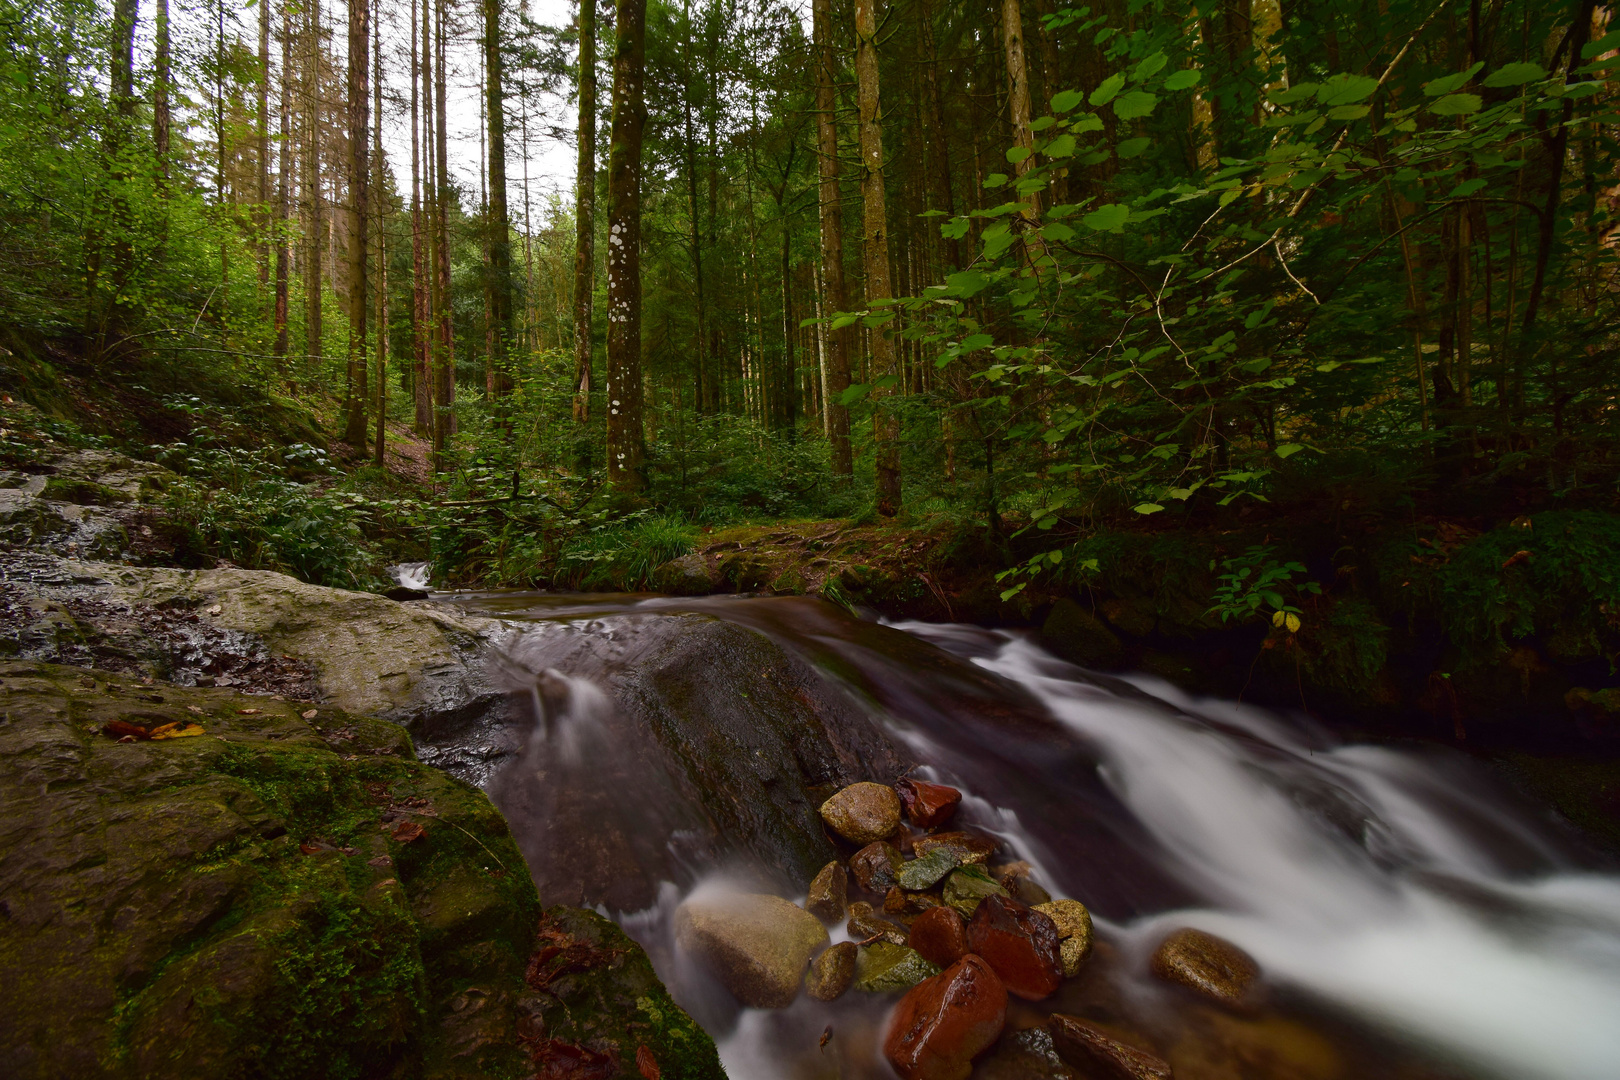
(1073, 923)
(832, 972)
(967, 886)
(757, 945)
(876, 867)
(829, 893)
(1020, 943)
(908, 905)
(1074, 634)
(865, 925)
(1025, 1055)
(1018, 879)
(1088, 1047)
(884, 967)
(968, 847)
(1206, 964)
(928, 805)
(689, 575)
(940, 936)
(926, 870)
(941, 1025)
(863, 813)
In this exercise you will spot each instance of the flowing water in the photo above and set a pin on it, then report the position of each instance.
(1413, 916)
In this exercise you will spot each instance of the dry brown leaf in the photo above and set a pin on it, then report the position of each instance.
(193, 708)
(646, 1064)
(406, 831)
(248, 712)
(120, 729)
(310, 714)
(176, 731)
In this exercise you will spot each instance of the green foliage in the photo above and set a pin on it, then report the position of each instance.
(623, 555)
(1344, 646)
(1256, 581)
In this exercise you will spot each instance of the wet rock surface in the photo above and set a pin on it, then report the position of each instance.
(940, 936)
(829, 893)
(876, 867)
(928, 805)
(1207, 965)
(757, 945)
(968, 847)
(863, 813)
(885, 967)
(1020, 943)
(832, 972)
(968, 886)
(941, 1025)
(1073, 923)
(1091, 1048)
(286, 883)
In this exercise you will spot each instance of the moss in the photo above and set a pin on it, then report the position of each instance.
(1584, 790)
(82, 492)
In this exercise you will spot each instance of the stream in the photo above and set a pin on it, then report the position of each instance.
(1413, 915)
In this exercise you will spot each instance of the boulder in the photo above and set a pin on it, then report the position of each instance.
(1074, 932)
(689, 575)
(757, 945)
(876, 867)
(967, 847)
(967, 886)
(832, 972)
(829, 893)
(928, 805)
(1205, 964)
(1020, 943)
(940, 936)
(1074, 634)
(1088, 1047)
(863, 813)
(942, 1024)
(884, 967)
(924, 871)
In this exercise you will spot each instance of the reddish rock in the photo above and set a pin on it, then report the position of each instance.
(944, 1022)
(876, 867)
(1087, 1046)
(968, 847)
(940, 935)
(928, 805)
(1206, 964)
(1020, 943)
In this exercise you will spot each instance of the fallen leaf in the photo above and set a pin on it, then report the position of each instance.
(163, 729)
(647, 1064)
(122, 729)
(193, 708)
(310, 714)
(215, 610)
(406, 831)
(826, 1037)
(1516, 558)
(248, 712)
(558, 1060)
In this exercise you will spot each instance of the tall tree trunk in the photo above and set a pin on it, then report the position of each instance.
(161, 85)
(700, 314)
(585, 213)
(625, 446)
(422, 372)
(885, 422)
(314, 346)
(116, 146)
(283, 179)
(939, 159)
(499, 282)
(262, 215)
(1012, 36)
(380, 440)
(444, 373)
(359, 390)
(832, 244)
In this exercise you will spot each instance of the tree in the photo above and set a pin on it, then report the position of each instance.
(625, 437)
(832, 241)
(585, 213)
(875, 246)
(498, 285)
(354, 432)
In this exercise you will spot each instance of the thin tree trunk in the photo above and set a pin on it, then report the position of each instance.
(283, 182)
(499, 281)
(938, 144)
(262, 215)
(585, 213)
(359, 391)
(832, 245)
(885, 422)
(314, 345)
(422, 373)
(380, 441)
(692, 198)
(161, 83)
(444, 374)
(625, 447)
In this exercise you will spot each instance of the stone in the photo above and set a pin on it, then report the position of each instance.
(863, 813)
(1074, 932)
(940, 936)
(928, 805)
(1088, 1047)
(1019, 881)
(689, 575)
(832, 972)
(968, 847)
(1205, 964)
(1074, 634)
(876, 867)
(967, 886)
(1020, 943)
(942, 1024)
(922, 872)
(757, 945)
(829, 893)
(865, 925)
(884, 967)
(1026, 1054)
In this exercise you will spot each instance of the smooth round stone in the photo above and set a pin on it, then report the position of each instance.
(1086, 1046)
(928, 805)
(944, 1022)
(1074, 931)
(756, 945)
(829, 893)
(940, 936)
(863, 813)
(1206, 964)
(1020, 943)
(832, 972)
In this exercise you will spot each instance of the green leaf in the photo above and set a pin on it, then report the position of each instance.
(1108, 218)
(995, 180)
(844, 320)
(976, 341)
(1107, 89)
(1466, 188)
(1060, 147)
(1515, 75)
(1149, 67)
(853, 394)
(1345, 89)
(1451, 83)
(1180, 80)
(1017, 154)
(1289, 449)
(954, 229)
(1348, 112)
(1135, 105)
(1147, 508)
(1132, 147)
(963, 284)
(1457, 105)
(1057, 232)
(1602, 45)
(1067, 100)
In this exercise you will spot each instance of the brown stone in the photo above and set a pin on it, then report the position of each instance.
(832, 972)
(944, 1022)
(1020, 943)
(1206, 964)
(928, 805)
(756, 945)
(863, 813)
(1074, 930)
(1088, 1047)
(967, 847)
(940, 935)
(876, 867)
(864, 925)
(829, 893)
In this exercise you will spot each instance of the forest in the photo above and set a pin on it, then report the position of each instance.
(1278, 308)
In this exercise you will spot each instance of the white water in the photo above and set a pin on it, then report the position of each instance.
(1412, 924)
(413, 575)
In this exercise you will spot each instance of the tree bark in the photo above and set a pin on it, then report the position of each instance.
(422, 371)
(444, 373)
(283, 180)
(700, 315)
(379, 436)
(885, 422)
(263, 215)
(161, 80)
(498, 284)
(313, 331)
(832, 245)
(359, 391)
(938, 143)
(625, 445)
(585, 214)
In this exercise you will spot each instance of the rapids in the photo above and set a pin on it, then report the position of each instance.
(1414, 916)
